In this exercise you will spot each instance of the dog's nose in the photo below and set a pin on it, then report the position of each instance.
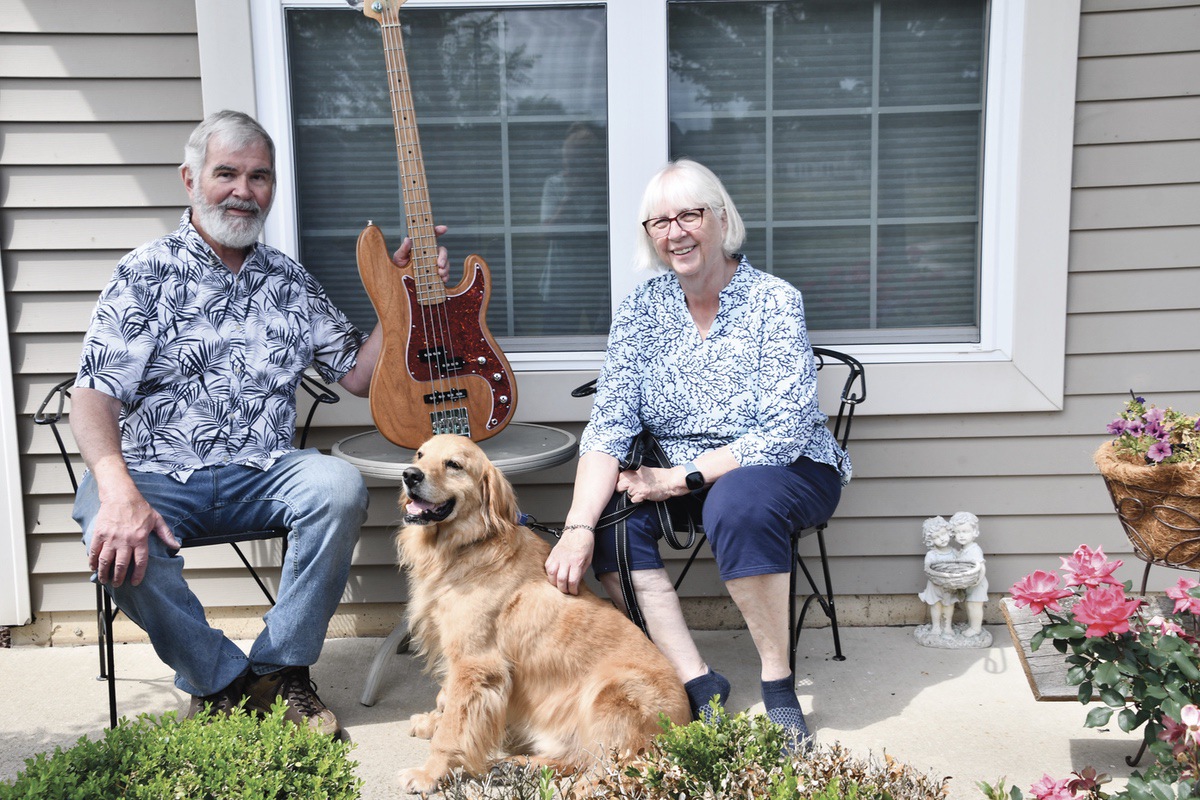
(413, 476)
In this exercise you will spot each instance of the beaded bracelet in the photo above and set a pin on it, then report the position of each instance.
(578, 525)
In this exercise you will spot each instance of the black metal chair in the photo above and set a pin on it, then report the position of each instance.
(106, 612)
(854, 392)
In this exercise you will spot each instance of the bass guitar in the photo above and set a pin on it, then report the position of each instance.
(440, 370)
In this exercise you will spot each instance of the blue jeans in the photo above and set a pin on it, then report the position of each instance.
(320, 499)
(749, 514)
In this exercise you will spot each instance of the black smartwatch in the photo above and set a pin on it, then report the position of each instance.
(694, 478)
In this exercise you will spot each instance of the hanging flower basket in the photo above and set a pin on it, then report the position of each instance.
(1158, 505)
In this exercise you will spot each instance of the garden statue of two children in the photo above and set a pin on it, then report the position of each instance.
(954, 576)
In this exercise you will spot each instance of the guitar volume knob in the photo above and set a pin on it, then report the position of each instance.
(481, 360)
(497, 376)
(503, 399)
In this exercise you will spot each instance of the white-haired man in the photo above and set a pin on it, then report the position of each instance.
(184, 411)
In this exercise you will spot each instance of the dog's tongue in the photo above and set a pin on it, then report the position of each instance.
(418, 507)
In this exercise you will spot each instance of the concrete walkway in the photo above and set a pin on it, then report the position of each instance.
(967, 714)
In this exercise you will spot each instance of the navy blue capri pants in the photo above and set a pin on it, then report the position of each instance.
(749, 515)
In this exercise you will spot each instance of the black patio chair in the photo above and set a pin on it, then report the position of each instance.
(854, 392)
(106, 612)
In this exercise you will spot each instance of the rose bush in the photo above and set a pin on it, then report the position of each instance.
(1143, 665)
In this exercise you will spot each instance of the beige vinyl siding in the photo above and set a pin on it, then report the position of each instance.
(88, 171)
(95, 101)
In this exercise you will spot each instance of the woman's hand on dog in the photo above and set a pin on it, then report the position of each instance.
(569, 559)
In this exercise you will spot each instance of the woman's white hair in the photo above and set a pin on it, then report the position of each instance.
(686, 184)
(231, 127)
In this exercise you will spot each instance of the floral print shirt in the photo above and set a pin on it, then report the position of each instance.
(751, 384)
(205, 361)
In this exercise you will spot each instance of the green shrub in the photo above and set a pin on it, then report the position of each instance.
(738, 758)
(203, 758)
(744, 757)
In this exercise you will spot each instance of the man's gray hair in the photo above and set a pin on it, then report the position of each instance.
(232, 127)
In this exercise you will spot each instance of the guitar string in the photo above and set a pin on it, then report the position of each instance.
(430, 289)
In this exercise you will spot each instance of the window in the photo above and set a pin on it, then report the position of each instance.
(849, 132)
(982, 330)
(511, 109)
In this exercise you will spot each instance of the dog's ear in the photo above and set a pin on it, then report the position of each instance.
(499, 500)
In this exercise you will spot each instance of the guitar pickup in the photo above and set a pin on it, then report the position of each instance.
(437, 357)
(451, 396)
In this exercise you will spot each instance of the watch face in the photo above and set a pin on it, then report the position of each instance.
(694, 480)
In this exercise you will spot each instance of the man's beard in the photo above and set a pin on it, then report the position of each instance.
(226, 229)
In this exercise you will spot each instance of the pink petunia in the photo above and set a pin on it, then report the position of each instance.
(1105, 610)
(1153, 416)
(1086, 567)
(1183, 600)
(1049, 789)
(1039, 590)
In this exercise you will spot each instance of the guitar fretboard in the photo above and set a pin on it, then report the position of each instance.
(413, 188)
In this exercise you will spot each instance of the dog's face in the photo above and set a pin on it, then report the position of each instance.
(451, 484)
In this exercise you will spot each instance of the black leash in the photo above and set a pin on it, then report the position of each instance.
(645, 451)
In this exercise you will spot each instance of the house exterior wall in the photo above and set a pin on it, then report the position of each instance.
(88, 170)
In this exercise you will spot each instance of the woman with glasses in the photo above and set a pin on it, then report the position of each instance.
(713, 359)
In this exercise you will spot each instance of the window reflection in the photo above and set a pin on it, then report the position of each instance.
(495, 92)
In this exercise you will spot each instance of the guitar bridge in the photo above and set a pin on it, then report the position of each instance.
(452, 420)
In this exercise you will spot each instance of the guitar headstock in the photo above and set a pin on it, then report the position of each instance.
(375, 8)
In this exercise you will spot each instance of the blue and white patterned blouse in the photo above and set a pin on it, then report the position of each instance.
(751, 384)
(207, 362)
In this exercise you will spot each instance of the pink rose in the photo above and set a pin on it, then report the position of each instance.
(1105, 610)
(1184, 733)
(1165, 626)
(1039, 590)
(1183, 600)
(1049, 789)
(1088, 568)
(1189, 716)
(1173, 733)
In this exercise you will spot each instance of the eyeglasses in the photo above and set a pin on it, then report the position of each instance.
(688, 220)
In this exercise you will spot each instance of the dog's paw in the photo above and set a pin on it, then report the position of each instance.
(417, 781)
(423, 726)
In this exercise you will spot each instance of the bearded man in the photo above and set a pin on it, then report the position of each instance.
(184, 411)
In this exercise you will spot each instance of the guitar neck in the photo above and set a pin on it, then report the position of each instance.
(414, 189)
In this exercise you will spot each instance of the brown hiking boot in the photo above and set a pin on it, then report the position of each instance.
(219, 702)
(296, 688)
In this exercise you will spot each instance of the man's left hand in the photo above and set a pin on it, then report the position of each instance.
(403, 254)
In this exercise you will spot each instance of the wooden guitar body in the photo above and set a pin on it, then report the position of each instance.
(440, 370)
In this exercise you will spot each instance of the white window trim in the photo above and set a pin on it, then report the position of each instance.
(1019, 364)
(16, 607)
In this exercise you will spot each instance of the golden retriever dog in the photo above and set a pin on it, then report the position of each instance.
(524, 669)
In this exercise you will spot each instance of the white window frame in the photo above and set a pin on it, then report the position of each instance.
(16, 607)
(1029, 129)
